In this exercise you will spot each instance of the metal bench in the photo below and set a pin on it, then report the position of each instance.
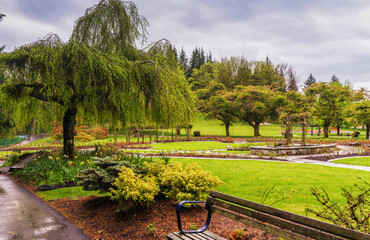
(278, 222)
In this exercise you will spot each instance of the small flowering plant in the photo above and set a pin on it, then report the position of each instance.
(54, 169)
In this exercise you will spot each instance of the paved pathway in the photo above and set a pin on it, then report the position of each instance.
(24, 216)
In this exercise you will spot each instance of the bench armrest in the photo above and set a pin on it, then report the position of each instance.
(202, 229)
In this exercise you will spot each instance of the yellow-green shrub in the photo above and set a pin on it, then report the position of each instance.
(99, 133)
(189, 183)
(83, 137)
(132, 187)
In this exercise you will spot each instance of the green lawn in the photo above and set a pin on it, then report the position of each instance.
(362, 161)
(70, 192)
(191, 146)
(247, 178)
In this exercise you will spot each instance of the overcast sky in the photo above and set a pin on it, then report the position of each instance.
(322, 37)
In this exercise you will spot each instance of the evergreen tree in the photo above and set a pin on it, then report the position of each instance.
(334, 79)
(209, 57)
(202, 58)
(175, 54)
(197, 59)
(310, 80)
(183, 60)
(1, 19)
(292, 81)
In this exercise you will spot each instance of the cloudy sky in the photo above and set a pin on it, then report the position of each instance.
(322, 37)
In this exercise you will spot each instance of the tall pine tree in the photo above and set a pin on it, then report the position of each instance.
(310, 80)
(183, 60)
(334, 79)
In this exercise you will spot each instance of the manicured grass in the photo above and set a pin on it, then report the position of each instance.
(191, 146)
(69, 192)
(362, 161)
(215, 127)
(248, 178)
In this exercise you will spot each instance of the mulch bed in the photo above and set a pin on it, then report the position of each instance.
(99, 219)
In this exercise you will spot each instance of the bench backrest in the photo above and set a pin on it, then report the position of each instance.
(278, 222)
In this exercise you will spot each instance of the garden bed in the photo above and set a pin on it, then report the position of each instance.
(98, 218)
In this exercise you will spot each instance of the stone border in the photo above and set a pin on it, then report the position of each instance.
(291, 150)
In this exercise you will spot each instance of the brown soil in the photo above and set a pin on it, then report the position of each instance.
(99, 219)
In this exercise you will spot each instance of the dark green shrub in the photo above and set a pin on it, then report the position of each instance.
(105, 173)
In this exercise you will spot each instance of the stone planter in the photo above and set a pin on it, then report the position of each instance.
(291, 150)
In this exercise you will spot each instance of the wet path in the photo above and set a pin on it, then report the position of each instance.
(24, 216)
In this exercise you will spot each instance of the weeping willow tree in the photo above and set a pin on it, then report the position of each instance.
(101, 75)
(113, 27)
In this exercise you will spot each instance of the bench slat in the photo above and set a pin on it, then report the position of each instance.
(206, 235)
(264, 227)
(172, 236)
(279, 222)
(196, 236)
(213, 236)
(327, 227)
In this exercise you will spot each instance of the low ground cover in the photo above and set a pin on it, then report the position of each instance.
(362, 161)
(69, 192)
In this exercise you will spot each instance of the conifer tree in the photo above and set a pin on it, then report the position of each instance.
(183, 60)
(310, 80)
(334, 79)
(1, 19)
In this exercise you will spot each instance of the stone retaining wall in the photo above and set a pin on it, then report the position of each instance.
(292, 150)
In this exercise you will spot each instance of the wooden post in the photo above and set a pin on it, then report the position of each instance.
(150, 134)
(142, 137)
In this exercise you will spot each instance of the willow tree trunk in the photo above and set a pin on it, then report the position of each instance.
(69, 123)
(367, 131)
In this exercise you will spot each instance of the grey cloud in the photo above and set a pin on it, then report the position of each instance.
(46, 10)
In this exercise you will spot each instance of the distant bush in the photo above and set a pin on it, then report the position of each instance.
(132, 187)
(83, 137)
(6, 142)
(99, 133)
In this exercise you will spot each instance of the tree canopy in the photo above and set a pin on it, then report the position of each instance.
(112, 26)
(254, 105)
(94, 76)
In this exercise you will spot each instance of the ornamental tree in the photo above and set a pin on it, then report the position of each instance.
(329, 100)
(101, 75)
(295, 108)
(254, 105)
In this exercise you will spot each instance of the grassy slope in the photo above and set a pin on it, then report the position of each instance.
(362, 161)
(247, 178)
